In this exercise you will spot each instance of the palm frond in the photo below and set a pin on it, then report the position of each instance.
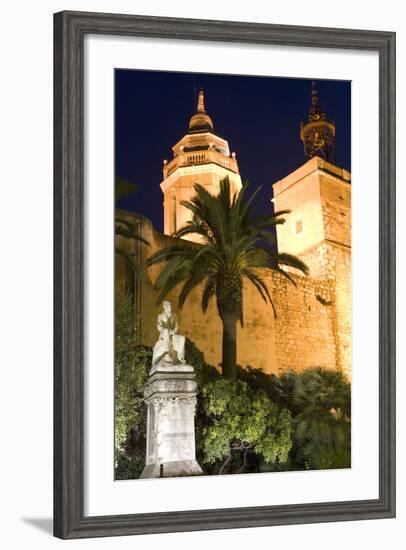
(177, 278)
(208, 292)
(126, 229)
(292, 261)
(262, 288)
(190, 284)
(193, 228)
(128, 257)
(183, 249)
(285, 274)
(172, 268)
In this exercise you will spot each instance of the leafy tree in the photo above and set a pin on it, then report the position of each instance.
(242, 421)
(236, 244)
(132, 364)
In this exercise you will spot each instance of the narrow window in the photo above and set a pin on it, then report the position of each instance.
(299, 226)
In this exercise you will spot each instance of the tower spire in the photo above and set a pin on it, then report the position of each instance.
(200, 121)
(318, 133)
(200, 102)
(315, 97)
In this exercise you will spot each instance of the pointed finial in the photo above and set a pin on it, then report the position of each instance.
(200, 102)
(315, 99)
(200, 121)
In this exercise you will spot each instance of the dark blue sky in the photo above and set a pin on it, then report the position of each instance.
(259, 116)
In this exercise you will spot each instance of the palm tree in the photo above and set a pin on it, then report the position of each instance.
(235, 244)
(320, 402)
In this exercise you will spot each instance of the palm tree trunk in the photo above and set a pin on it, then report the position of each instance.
(229, 363)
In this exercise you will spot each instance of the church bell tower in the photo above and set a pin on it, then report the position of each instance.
(318, 228)
(200, 157)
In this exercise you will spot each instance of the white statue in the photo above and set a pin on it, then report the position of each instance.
(170, 347)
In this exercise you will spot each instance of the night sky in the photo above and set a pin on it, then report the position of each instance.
(258, 116)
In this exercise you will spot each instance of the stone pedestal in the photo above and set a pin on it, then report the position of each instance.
(170, 394)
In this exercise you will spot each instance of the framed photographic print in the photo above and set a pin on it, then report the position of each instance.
(224, 275)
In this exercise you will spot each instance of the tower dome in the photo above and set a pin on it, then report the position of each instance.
(200, 121)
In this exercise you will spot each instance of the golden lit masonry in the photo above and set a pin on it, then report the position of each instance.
(313, 323)
(318, 231)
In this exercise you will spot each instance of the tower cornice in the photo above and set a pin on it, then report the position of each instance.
(195, 158)
(204, 138)
(315, 164)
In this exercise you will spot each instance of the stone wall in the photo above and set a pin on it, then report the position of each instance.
(304, 328)
(336, 209)
(318, 195)
(305, 332)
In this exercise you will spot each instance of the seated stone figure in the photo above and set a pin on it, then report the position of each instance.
(170, 347)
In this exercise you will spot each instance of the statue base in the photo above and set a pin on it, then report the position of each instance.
(171, 399)
(166, 366)
(177, 468)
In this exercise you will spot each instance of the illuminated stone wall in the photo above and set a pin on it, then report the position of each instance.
(318, 230)
(313, 322)
(318, 194)
(302, 335)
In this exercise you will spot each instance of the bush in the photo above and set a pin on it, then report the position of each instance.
(261, 422)
(132, 363)
(320, 403)
(242, 425)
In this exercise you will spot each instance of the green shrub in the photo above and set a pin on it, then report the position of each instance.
(320, 403)
(261, 422)
(132, 363)
(321, 400)
(242, 424)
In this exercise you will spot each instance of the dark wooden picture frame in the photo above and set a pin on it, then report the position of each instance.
(69, 31)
